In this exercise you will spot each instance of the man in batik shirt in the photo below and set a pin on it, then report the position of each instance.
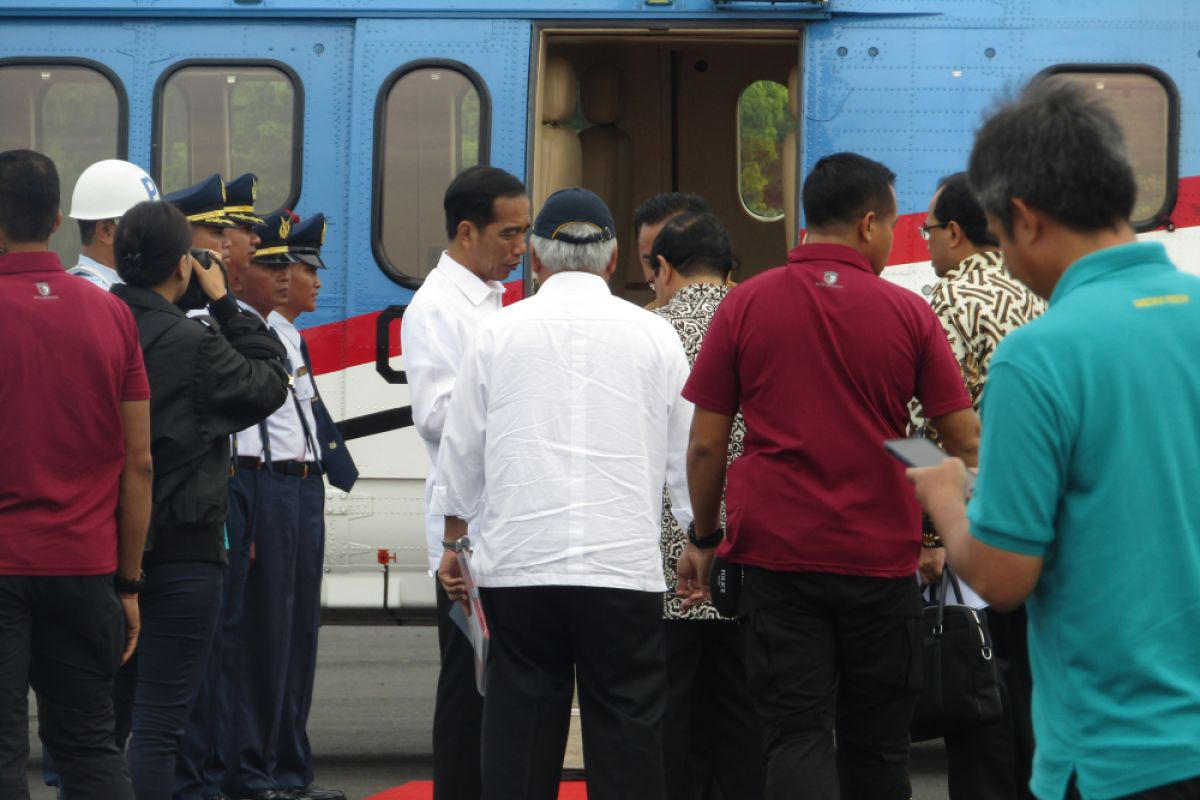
(979, 303)
(689, 260)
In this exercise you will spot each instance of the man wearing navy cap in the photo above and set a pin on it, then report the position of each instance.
(240, 195)
(565, 504)
(293, 762)
(277, 494)
(199, 767)
(203, 204)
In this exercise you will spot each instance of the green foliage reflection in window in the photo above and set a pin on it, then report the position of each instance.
(231, 120)
(69, 113)
(1142, 108)
(763, 122)
(430, 131)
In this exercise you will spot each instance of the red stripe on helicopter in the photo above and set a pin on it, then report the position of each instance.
(350, 342)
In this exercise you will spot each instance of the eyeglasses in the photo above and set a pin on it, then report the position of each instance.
(925, 229)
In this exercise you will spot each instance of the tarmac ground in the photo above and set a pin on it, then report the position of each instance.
(373, 712)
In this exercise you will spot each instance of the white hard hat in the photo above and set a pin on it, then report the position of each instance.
(107, 189)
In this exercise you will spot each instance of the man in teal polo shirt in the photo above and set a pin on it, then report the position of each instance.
(1086, 501)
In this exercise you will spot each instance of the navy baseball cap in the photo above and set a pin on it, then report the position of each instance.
(574, 206)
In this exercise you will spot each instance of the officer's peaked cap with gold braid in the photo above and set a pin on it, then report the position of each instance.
(203, 203)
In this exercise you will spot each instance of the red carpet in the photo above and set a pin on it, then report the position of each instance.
(423, 790)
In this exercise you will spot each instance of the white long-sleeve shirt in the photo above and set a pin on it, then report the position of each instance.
(286, 432)
(434, 332)
(566, 421)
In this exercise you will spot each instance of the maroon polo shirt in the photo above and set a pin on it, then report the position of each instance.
(822, 356)
(69, 358)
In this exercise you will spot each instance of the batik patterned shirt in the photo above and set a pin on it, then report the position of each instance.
(979, 303)
(690, 311)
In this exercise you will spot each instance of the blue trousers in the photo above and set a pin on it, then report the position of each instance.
(180, 607)
(293, 766)
(262, 641)
(200, 768)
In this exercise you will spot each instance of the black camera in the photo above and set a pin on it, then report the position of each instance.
(194, 297)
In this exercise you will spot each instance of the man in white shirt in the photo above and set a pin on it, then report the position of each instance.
(102, 195)
(487, 217)
(565, 425)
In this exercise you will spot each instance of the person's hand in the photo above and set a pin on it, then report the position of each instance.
(211, 278)
(449, 574)
(133, 624)
(933, 560)
(693, 568)
(937, 486)
(253, 553)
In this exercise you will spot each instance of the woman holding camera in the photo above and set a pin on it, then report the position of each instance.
(204, 386)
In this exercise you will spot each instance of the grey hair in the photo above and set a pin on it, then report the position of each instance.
(1059, 151)
(559, 256)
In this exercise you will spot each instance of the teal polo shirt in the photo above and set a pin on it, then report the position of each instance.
(1091, 460)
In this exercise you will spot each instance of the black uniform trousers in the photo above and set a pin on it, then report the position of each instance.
(712, 735)
(826, 652)
(544, 638)
(63, 636)
(293, 767)
(457, 712)
(263, 640)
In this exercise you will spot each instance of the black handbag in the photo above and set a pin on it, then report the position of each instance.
(962, 686)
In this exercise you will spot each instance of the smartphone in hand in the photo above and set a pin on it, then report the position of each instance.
(922, 453)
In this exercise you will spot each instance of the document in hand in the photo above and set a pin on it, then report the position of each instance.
(474, 626)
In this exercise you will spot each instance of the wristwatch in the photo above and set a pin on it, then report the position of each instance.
(459, 545)
(709, 541)
(126, 586)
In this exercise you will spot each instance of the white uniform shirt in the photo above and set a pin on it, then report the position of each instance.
(302, 381)
(93, 271)
(283, 427)
(434, 332)
(565, 423)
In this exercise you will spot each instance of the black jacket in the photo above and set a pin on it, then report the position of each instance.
(204, 386)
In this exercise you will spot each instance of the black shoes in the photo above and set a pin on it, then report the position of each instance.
(274, 794)
(314, 792)
(310, 792)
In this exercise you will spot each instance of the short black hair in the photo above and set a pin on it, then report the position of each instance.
(151, 237)
(956, 203)
(694, 244)
(1059, 151)
(29, 195)
(87, 231)
(471, 196)
(844, 187)
(662, 207)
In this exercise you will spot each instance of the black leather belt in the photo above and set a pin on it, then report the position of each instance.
(297, 469)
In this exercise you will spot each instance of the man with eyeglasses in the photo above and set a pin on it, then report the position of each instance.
(976, 299)
(978, 303)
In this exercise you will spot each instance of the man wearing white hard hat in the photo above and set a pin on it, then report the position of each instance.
(103, 193)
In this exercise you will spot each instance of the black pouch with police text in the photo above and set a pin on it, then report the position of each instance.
(725, 586)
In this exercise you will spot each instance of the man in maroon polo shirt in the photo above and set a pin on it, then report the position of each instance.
(74, 495)
(823, 357)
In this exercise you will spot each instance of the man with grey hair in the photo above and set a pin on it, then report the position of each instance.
(1085, 502)
(566, 423)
